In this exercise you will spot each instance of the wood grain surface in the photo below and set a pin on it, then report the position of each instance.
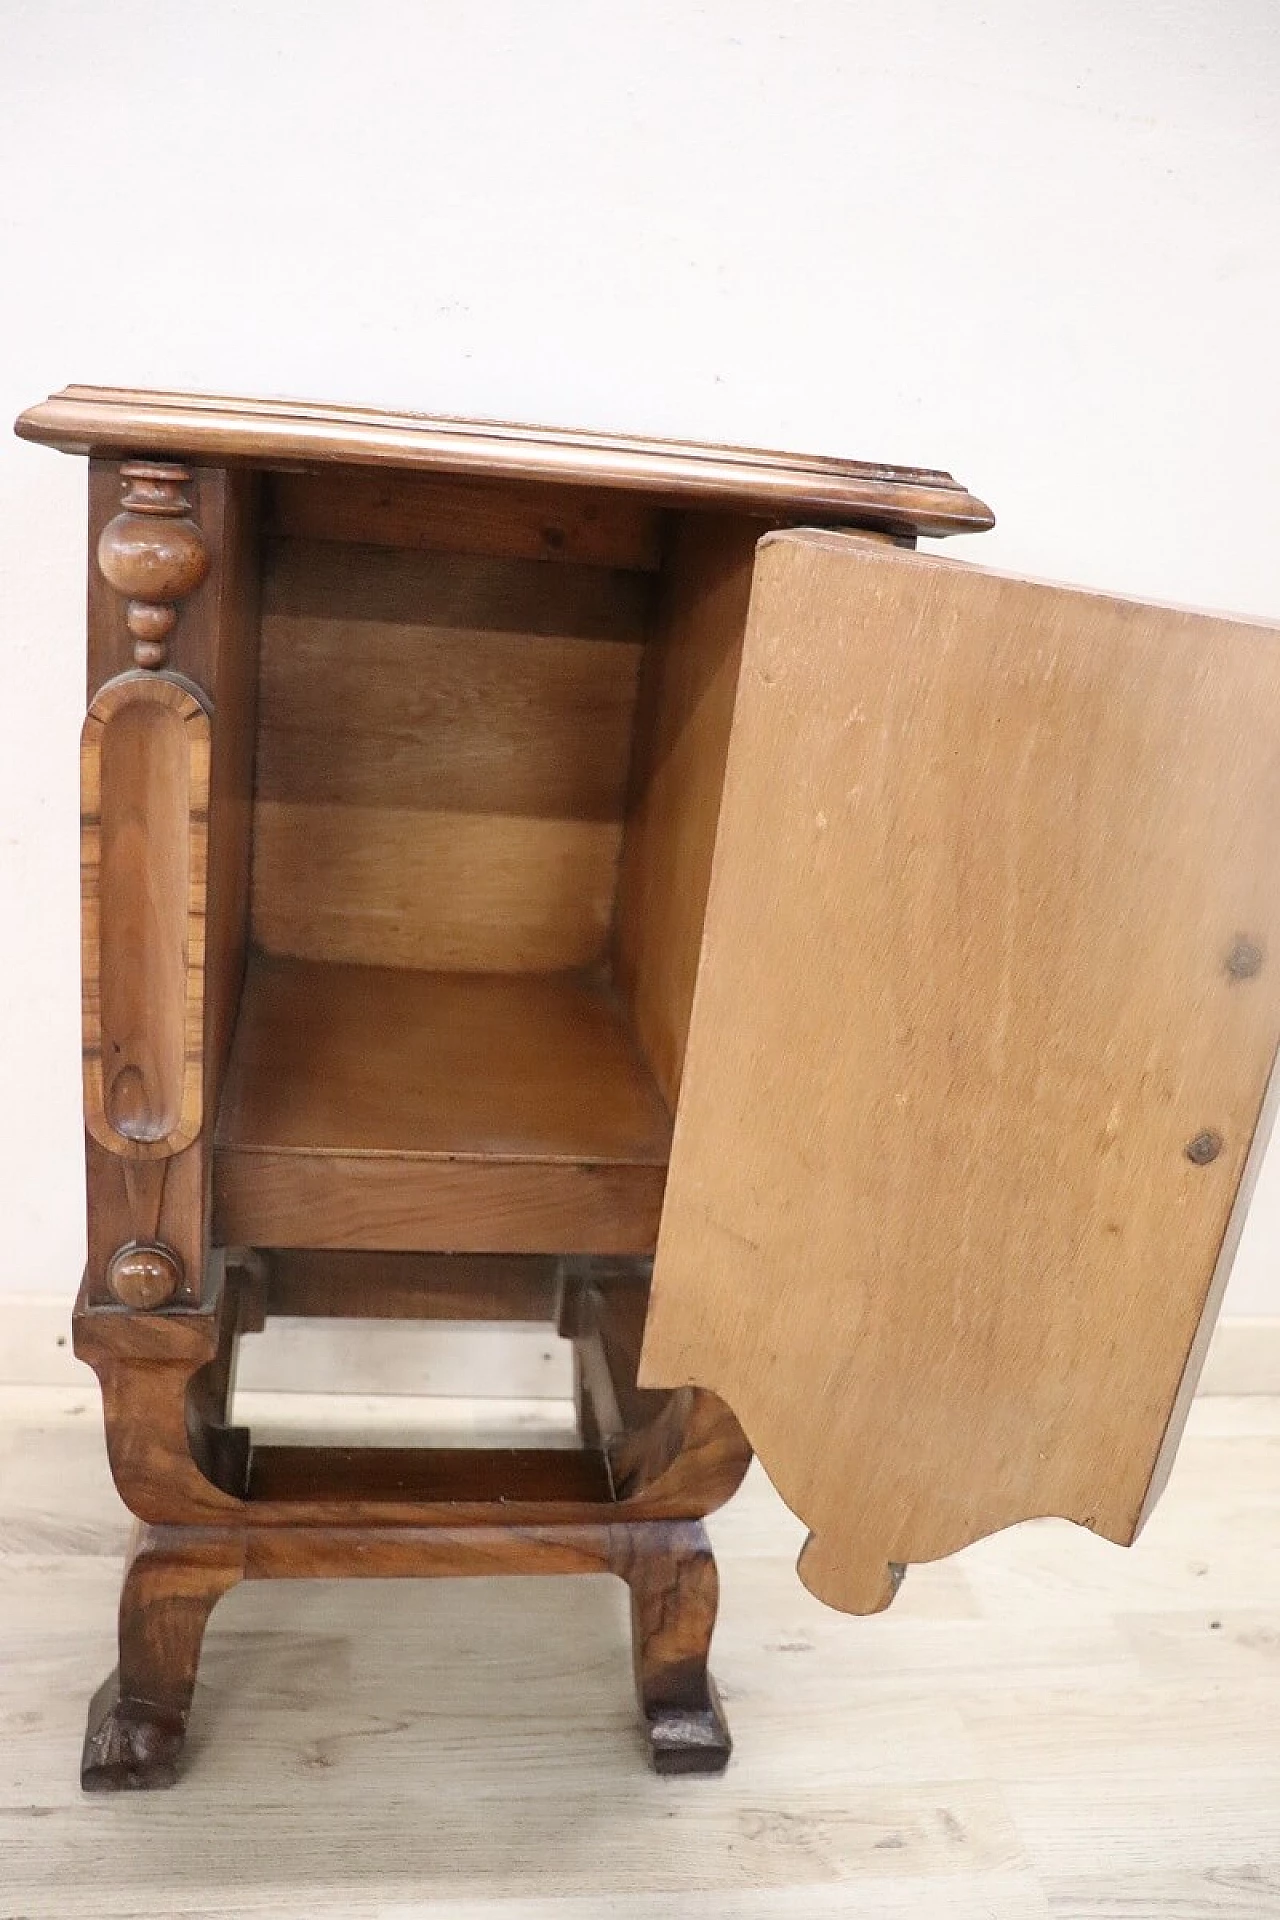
(442, 757)
(379, 1107)
(322, 1510)
(178, 1457)
(518, 521)
(198, 426)
(214, 647)
(683, 717)
(989, 999)
(144, 824)
(410, 1286)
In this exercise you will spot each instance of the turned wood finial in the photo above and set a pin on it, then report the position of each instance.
(153, 553)
(144, 1277)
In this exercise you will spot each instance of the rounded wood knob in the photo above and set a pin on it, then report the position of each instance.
(152, 560)
(144, 1276)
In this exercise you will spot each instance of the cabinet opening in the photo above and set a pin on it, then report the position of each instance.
(485, 796)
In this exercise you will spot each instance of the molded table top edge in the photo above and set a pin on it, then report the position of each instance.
(284, 433)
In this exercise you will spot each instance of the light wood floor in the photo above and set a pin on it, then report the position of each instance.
(1045, 1726)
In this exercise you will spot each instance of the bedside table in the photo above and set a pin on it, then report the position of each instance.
(507, 853)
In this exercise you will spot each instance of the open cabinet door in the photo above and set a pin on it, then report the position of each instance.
(987, 1007)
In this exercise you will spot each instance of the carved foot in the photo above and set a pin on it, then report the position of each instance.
(138, 1717)
(689, 1739)
(129, 1744)
(675, 1591)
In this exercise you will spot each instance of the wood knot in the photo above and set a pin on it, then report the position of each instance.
(144, 1277)
(153, 554)
(1205, 1147)
(1244, 961)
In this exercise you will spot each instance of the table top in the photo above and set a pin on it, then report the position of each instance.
(291, 433)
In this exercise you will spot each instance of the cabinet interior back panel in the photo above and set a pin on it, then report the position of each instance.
(442, 756)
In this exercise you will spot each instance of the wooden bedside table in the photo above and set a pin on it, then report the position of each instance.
(409, 746)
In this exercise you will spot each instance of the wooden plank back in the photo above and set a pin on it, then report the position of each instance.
(448, 514)
(988, 1002)
(442, 760)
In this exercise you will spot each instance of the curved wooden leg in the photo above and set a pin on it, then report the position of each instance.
(138, 1717)
(675, 1590)
(161, 1375)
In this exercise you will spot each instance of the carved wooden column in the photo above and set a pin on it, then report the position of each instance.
(164, 786)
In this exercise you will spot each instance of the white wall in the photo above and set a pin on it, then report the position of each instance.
(1034, 242)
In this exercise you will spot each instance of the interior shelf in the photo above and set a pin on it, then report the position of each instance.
(385, 1108)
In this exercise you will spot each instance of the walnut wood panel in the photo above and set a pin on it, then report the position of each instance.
(382, 1108)
(330, 1284)
(397, 1204)
(331, 1476)
(266, 433)
(685, 711)
(144, 821)
(988, 1004)
(463, 594)
(452, 1553)
(364, 506)
(442, 757)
